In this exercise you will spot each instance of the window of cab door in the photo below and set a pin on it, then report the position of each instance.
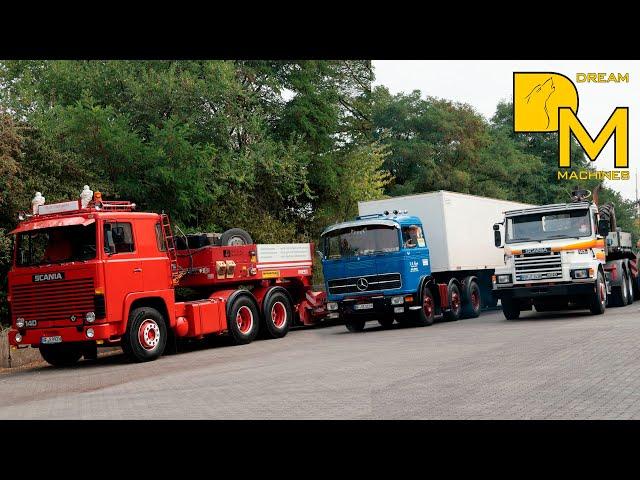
(412, 236)
(160, 238)
(118, 238)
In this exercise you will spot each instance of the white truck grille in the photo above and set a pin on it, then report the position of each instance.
(540, 266)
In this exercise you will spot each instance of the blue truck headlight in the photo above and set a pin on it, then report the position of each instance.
(397, 300)
(332, 306)
(504, 278)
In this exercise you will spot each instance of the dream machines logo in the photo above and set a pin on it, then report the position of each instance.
(548, 102)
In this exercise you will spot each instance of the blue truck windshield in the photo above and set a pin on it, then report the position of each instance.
(547, 226)
(365, 240)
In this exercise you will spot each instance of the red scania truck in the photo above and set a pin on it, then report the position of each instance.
(97, 273)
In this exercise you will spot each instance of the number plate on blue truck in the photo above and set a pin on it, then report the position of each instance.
(363, 306)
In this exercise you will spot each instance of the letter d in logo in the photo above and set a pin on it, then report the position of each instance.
(537, 96)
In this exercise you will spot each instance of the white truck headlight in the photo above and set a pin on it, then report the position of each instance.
(332, 306)
(20, 322)
(581, 273)
(90, 317)
(397, 300)
(504, 278)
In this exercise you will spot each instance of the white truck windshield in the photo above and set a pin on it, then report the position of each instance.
(547, 226)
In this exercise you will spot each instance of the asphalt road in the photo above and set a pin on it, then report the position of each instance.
(543, 366)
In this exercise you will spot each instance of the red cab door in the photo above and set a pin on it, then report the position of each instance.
(122, 267)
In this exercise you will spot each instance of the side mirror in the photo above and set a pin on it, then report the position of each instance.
(604, 227)
(497, 237)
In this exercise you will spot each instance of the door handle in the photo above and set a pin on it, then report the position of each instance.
(137, 270)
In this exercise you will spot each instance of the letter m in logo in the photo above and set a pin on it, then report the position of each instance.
(617, 126)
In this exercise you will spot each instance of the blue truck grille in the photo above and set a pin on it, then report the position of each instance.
(365, 283)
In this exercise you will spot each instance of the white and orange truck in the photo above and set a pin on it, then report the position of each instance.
(567, 255)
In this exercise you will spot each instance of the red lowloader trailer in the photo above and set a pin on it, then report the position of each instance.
(89, 274)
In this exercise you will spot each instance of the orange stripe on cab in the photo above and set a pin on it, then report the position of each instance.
(594, 243)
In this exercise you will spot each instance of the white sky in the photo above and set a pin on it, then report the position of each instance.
(483, 83)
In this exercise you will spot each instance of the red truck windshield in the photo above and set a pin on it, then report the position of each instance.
(56, 245)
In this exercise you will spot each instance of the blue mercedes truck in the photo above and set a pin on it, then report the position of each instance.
(412, 259)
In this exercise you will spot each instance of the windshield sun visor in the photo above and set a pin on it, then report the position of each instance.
(53, 223)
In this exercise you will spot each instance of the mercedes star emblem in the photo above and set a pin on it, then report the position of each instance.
(362, 284)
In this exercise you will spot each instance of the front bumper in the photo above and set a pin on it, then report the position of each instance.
(545, 290)
(32, 336)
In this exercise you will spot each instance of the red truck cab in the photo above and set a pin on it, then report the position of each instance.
(106, 275)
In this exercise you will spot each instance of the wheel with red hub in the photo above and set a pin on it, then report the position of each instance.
(455, 303)
(146, 335)
(599, 296)
(277, 314)
(243, 320)
(471, 300)
(426, 315)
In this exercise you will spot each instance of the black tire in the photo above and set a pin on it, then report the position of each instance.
(608, 212)
(625, 288)
(235, 236)
(354, 325)
(598, 301)
(386, 321)
(427, 314)
(277, 315)
(471, 300)
(455, 303)
(61, 355)
(630, 284)
(510, 309)
(620, 295)
(146, 335)
(243, 320)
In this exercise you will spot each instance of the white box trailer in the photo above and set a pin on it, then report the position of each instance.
(458, 228)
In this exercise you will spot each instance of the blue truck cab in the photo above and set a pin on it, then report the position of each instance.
(377, 267)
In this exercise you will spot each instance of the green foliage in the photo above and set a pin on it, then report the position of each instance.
(262, 145)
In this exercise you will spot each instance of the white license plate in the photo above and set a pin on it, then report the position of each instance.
(49, 340)
(363, 306)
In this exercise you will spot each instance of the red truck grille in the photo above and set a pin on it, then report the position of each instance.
(53, 302)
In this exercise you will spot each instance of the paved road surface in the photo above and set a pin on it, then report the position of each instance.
(558, 366)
